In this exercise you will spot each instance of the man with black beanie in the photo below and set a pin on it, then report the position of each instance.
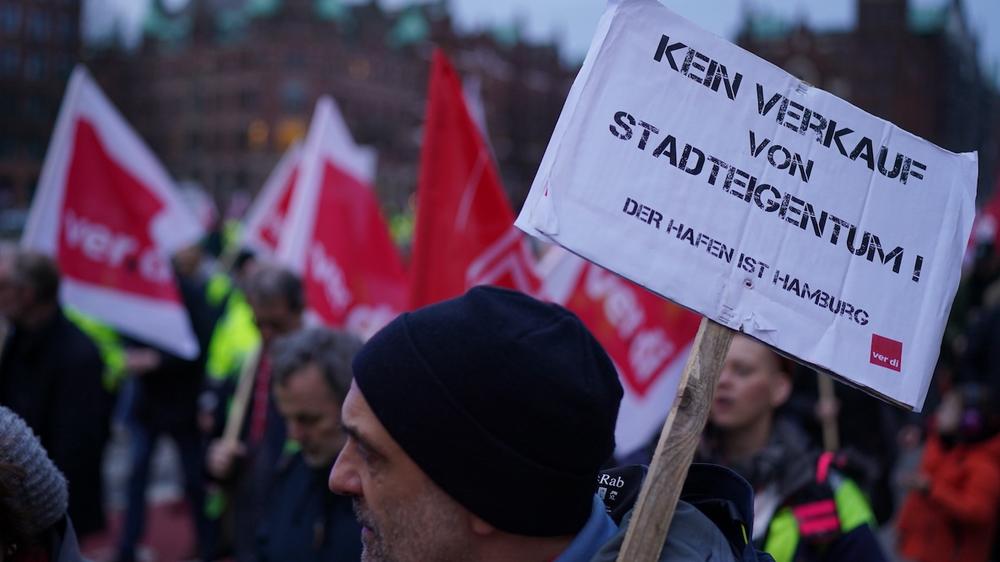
(477, 427)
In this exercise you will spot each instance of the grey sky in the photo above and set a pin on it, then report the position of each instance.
(572, 22)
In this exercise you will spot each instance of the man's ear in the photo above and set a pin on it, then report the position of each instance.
(480, 527)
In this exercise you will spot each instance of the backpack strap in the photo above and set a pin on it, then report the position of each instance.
(814, 505)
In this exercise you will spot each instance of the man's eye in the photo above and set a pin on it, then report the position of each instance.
(365, 452)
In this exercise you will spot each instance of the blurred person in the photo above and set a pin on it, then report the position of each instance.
(476, 428)
(233, 342)
(51, 375)
(302, 519)
(950, 512)
(868, 430)
(33, 499)
(165, 405)
(247, 467)
(978, 357)
(804, 509)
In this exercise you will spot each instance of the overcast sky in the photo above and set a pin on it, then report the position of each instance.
(572, 22)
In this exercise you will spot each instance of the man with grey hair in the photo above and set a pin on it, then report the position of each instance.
(311, 375)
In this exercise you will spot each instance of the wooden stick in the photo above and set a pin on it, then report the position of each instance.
(238, 409)
(827, 395)
(680, 436)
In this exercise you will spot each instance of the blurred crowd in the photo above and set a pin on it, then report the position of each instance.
(256, 419)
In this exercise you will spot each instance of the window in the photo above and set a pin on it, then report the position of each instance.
(8, 146)
(39, 26)
(34, 67)
(293, 96)
(35, 108)
(64, 28)
(248, 100)
(10, 61)
(64, 66)
(8, 104)
(10, 19)
(194, 141)
(242, 179)
(6, 191)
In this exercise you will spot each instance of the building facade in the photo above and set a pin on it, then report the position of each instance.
(222, 88)
(39, 43)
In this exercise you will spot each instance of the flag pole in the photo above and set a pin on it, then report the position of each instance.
(680, 436)
(238, 409)
(827, 397)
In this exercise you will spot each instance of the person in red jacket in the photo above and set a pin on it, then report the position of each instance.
(950, 513)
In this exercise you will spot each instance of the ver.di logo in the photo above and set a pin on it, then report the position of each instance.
(886, 353)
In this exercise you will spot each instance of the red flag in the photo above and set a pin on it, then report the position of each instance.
(111, 217)
(646, 336)
(335, 236)
(266, 219)
(464, 233)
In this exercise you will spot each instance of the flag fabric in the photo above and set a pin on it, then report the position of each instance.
(335, 236)
(109, 214)
(464, 234)
(266, 218)
(647, 337)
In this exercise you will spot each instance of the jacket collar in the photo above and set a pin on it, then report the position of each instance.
(598, 530)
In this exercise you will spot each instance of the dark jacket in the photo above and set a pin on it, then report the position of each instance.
(63, 545)
(692, 537)
(304, 521)
(167, 396)
(254, 476)
(51, 377)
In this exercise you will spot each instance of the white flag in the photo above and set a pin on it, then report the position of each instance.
(109, 214)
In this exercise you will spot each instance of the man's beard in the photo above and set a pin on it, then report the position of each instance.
(373, 547)
(423, 531)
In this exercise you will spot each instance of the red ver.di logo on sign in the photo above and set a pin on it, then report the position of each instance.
(886, 352)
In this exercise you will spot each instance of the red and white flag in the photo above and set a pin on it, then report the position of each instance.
(110, 215)
(266, 218)
(464, 233)
(647, 337)
(335, 236)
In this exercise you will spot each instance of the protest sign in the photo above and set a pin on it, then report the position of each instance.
(727, 185)
(266, 218)
(109, 214)
(464, 234)
(335, 236)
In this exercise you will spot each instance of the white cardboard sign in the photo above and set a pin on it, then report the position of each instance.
(725, 184)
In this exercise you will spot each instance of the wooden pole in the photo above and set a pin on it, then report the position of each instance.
(238, 409)
(828, 397)
(680, 436)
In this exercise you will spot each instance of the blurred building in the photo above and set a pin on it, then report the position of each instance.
(39, 42)
(221, 88)
(916, 67)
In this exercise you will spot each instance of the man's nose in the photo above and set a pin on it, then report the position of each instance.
(344, 477)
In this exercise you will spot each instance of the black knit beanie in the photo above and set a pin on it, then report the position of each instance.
(507, 403)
